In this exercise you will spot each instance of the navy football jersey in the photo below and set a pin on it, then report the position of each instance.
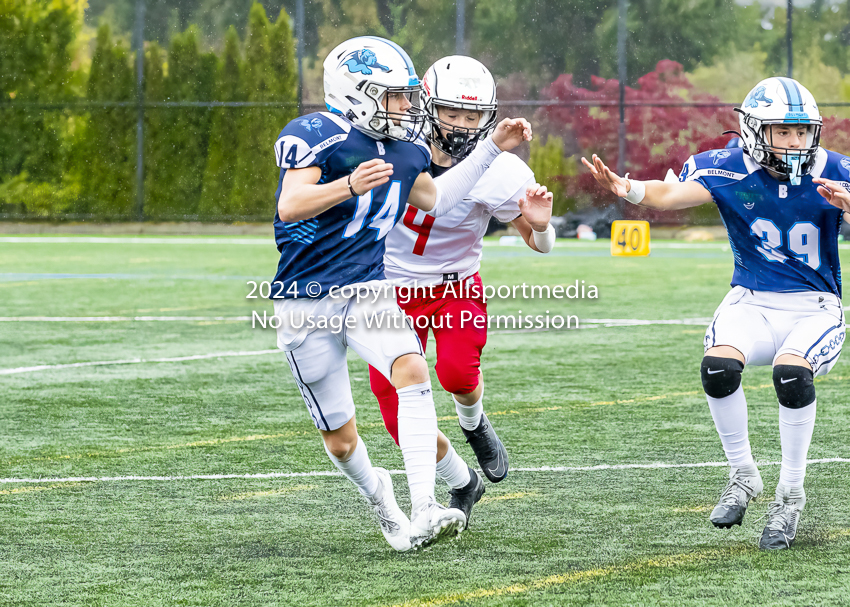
(784, 238)
(345, 244)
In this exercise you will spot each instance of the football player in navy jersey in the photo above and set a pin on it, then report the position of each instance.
(345, 176)
(781, 197)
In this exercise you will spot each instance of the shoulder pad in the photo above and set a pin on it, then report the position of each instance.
(309, 139)
(724, 164)
(832, 165)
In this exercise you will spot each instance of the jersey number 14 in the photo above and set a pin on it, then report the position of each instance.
(384, 219)
(803, 241)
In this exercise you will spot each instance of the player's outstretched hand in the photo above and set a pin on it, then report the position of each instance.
(834, 193)
(510, 132)
(606, 177)
(370, 174)
(536, 207)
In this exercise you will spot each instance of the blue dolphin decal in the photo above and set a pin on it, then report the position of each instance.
(755, 97)
(315, 124)
(362, 62)
(719, 156)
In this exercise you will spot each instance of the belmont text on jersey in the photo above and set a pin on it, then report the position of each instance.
(345, 244)
(784, 237)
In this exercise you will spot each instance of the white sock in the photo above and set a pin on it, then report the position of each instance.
(794, 495)
(795, 433)
(469, 417)
(417, 437)
(453, 470)
(730, 419)
(358, 469)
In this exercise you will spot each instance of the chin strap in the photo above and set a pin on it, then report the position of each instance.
(793, 161)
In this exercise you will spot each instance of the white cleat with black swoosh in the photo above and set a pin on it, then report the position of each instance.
(488, 449)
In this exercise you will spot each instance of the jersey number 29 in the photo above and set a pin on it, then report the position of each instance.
(803, 241)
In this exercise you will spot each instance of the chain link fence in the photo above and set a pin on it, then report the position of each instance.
(95, 130)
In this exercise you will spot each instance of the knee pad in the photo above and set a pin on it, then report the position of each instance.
(795, 386)
(720, 376)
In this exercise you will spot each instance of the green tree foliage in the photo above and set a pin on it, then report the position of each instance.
(36, 44)
(224, 138)
(182, 134)
(106, 159)
(423, 28)
(550, 167)
(686, 32)
(264, 80)
(540, 38)
(155, 122)
(344, 19)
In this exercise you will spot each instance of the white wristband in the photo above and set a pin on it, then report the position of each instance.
(637, 192)
(545, 240)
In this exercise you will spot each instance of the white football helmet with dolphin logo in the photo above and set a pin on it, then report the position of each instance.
(357, 76)
(780, 101)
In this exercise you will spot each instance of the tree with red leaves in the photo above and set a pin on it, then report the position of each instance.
(665, 124)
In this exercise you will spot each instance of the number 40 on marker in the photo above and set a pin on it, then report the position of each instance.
(630, 238)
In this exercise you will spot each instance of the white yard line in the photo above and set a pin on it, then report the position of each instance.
(136, 361)
(612, 322)
(273, 475)
(587, 323)
(119, 318)
(267, 242)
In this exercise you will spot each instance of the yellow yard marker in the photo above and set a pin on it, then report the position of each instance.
(630, 238)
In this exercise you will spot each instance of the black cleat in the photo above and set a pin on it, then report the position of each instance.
(491, 453)
(466, 497)
(735, 499)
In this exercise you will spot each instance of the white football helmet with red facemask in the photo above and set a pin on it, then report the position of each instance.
(461, 83)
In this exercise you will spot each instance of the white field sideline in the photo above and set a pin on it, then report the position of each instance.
(314, 473)
(269, 242)
(589, 323)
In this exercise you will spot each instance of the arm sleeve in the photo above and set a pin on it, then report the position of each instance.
(454, 185)
(502, 187)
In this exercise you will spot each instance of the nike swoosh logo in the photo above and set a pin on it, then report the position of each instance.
(710, 372)
(499, 466)
(788, 381)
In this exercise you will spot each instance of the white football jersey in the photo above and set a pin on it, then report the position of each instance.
(422, 249)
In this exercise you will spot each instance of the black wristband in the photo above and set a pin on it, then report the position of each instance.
(351, 189)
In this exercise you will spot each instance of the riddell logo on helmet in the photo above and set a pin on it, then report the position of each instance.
(469, 97)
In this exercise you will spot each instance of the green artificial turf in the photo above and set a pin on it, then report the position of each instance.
(594, 396)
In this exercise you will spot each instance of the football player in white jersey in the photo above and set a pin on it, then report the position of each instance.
(435, 262)
(781, 198)
(345, 176)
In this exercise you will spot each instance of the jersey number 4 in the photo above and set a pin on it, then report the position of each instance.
(803, 241)
(423, 230)
(384, 219)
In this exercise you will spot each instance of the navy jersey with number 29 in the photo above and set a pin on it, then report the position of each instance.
(784, 238)
(345, 244)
